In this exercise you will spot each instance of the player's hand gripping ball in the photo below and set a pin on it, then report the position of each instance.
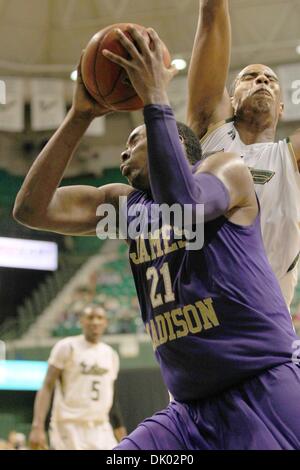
(106, 81)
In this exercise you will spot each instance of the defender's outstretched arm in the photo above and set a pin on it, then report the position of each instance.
(208, 99)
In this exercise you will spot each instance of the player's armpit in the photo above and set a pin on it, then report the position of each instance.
(208, 100)
(294, 141)
(200, 119)
(73, 209)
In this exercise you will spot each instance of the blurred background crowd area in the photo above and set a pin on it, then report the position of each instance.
(112, 287)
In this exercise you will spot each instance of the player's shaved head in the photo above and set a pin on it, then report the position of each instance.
(256, 97)
(253, 69)
(93, 321)
(93, 309)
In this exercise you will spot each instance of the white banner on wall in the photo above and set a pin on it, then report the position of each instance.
(289, 78)
(2, 92)
(28, 254)
(48, 106)
(12, 111)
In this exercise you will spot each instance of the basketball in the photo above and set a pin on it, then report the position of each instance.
(106, 81)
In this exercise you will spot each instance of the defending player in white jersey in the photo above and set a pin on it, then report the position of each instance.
(85, 413)
(246, 124)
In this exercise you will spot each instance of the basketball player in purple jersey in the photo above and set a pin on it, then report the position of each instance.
(220, 328)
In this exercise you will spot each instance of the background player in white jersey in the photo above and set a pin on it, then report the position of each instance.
(246, 124)
(83, 371)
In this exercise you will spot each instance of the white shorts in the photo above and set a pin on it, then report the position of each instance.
(288, 283)
(81, 436)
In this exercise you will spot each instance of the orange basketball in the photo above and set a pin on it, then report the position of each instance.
(107, 82)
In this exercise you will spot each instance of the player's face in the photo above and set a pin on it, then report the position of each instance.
(257, 88)
(93, 323)
(134, 164)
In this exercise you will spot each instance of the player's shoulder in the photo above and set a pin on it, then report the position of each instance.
(106, 348)
(224, 161)
(283, 146)
(138, 198)
(117, 189)
(230, 169)
(270, 154)
(68, 341)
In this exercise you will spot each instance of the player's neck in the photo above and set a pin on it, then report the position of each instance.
(92, 340)
(253, 132)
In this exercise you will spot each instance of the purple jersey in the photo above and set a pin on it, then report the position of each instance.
(216, 316)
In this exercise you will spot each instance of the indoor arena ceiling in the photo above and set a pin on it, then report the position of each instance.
(46, 36)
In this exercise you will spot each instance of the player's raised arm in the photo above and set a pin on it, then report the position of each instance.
(71, 210)
(208, 100)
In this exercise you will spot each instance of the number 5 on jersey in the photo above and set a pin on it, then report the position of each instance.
(152, 274)
(95, 390)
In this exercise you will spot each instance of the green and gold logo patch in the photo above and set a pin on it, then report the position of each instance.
(261, 176)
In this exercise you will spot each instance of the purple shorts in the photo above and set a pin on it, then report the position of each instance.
(263, 413)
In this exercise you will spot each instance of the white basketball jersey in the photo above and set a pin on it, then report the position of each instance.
(85, 391)
(277, 184)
